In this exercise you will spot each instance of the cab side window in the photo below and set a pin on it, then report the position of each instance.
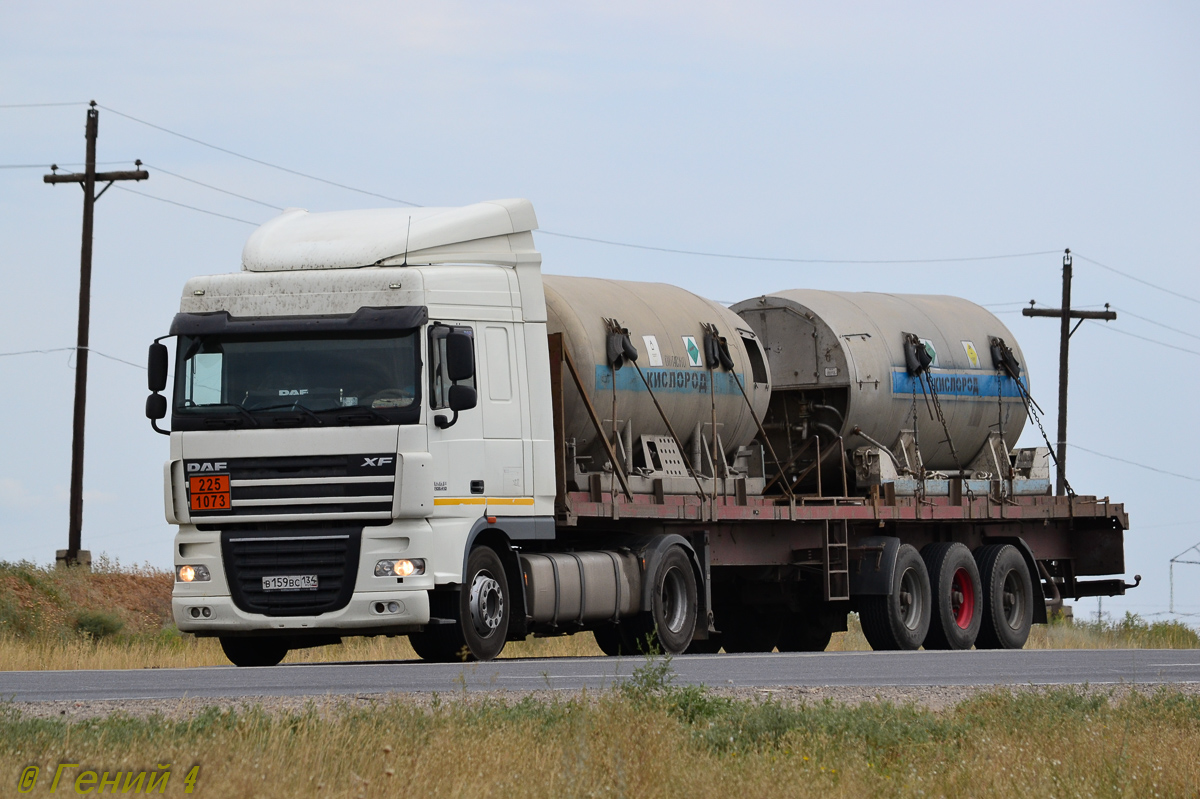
(440, 376)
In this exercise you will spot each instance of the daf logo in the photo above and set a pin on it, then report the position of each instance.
(206, 466)
(377, 461)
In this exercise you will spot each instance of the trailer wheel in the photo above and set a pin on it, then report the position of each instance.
(899, 620)
(804, 632)
(483, 615)
(254, 652)
(957, 597)
(671, 620)
(1007, 597)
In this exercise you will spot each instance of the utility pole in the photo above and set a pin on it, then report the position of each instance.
(1066, 314)
(73, 554)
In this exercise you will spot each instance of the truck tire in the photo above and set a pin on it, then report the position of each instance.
(484, 610)
(803, 632)
(957, 597)
(254, 652)
(899, 620)
(671, 620)
(1007, 597)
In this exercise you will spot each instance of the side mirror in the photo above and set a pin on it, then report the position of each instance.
(462, 398)
(156, 369)
(156, 407)
(460, 357)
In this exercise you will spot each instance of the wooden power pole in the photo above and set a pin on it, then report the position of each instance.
(88, 178)
(1066, 314)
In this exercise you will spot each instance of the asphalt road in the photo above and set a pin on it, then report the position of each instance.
(970, 668)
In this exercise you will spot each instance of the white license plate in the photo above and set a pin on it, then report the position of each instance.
(293, 582)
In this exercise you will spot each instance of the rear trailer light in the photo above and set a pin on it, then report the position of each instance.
(399, 568)
(192, 574)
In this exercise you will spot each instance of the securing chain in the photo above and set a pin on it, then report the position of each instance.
(1033, 414)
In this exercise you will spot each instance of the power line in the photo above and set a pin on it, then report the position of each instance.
(738, 257)
(1159, 324)
(260, 161)
(40, 105)
(71, 349)
(1151, 340)
(1134, 463)
(215, 188)
(1114, 270)
(189, 207)
(608, 242)
(47, 166)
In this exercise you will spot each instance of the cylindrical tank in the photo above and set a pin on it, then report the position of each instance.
(665, 325)
(839, 358)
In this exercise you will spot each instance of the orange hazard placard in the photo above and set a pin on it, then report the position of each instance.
(209, 492)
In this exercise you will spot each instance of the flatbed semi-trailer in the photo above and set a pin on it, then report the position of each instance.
(390, 423)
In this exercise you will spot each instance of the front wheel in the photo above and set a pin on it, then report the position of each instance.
(484, 610)
(900, 619)
(254, 652)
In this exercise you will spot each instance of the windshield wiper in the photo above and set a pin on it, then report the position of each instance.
(293, 406)
(355, 412)
(239, 408)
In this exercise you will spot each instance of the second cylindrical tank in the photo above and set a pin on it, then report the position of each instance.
(838, 363)
(665, 324)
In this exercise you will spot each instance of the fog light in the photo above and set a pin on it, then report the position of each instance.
(195, 613)
(192, 574)
(399, 568)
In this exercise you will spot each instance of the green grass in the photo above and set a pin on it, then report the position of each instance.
(649, 737)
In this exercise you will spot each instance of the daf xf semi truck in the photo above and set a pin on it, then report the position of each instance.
(390, 422)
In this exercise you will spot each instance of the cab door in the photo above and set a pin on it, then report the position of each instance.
(456, 441)
(500, 399)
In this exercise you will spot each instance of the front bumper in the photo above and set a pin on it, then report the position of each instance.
(367, 613)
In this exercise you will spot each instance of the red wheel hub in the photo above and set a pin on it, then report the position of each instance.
(962, 599)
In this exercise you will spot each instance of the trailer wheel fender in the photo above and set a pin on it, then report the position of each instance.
(653, 552)
(874, 572)
(1039, 598)
(496, 537)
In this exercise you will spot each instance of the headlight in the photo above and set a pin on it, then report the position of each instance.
(399, 568)
(192, 574)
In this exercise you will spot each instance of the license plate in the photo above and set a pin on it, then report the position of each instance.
(209, 492)
(293, 582)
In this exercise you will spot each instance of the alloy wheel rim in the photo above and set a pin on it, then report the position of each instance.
(487, 603)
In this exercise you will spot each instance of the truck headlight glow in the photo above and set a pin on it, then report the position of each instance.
(399, 568)
(192, 574)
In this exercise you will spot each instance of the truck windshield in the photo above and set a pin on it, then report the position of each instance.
(361, 378)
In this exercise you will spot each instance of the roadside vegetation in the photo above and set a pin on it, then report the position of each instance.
(646, 737)
(119, 617)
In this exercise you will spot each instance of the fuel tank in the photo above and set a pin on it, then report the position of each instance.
(837, 362)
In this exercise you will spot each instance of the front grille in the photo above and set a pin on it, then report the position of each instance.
(331, 554)
(358, 485)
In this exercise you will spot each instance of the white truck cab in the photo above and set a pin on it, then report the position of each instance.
(366, 397)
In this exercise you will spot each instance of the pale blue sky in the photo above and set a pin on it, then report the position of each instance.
(843, 131)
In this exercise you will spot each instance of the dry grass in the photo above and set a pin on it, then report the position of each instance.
(648, 739)
(119, 618)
